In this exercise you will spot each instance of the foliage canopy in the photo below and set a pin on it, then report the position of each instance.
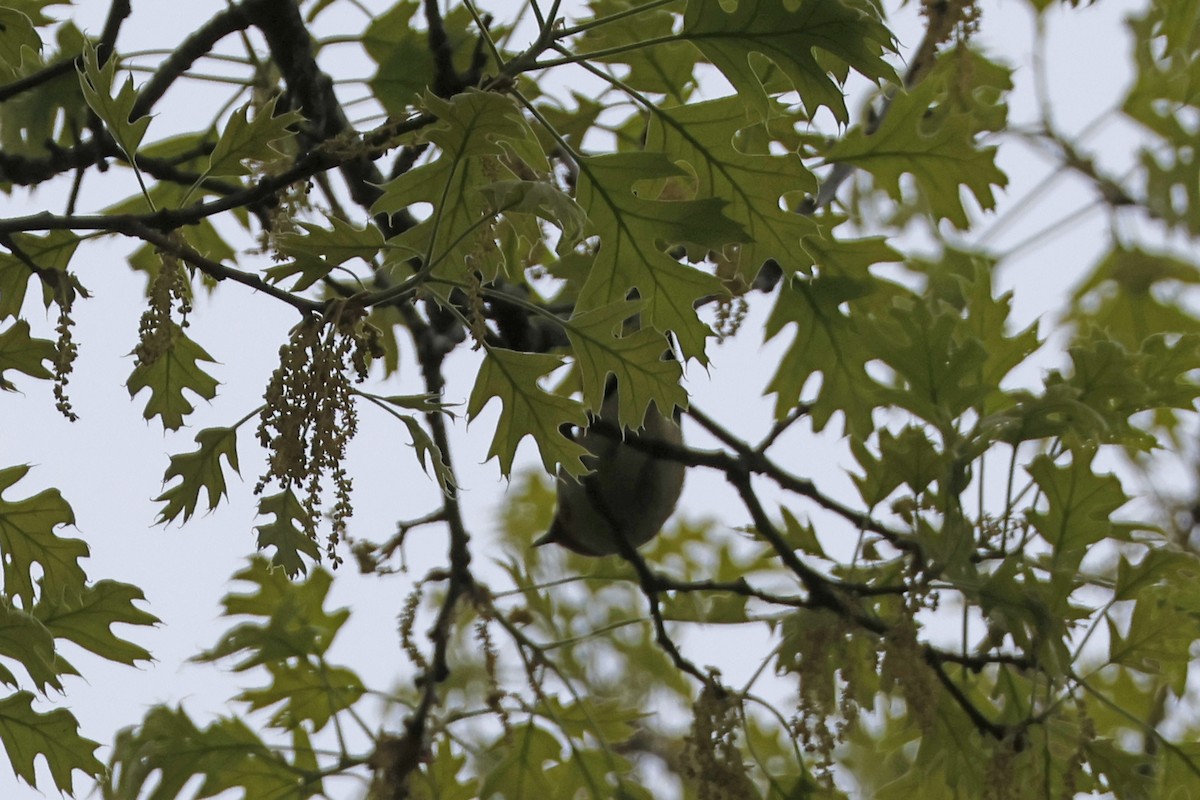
(1002, 607)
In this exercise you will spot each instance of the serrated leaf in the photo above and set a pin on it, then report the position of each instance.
(633, 231)
(168, 749)
(54, 736)
(828, 342)
(51, 253)
(84, 616)
(309, 692)
(939, 367)
(478, 134)
(527, 410)
(17, 35)
(254, 140)
(287, 533)
(338, 245)
(20, 352)
(27, 641)
(176, 371)
(406, 68)
(937, 148)
(428, 453)
(543, 200)
(97, 84)
(1079, 508)
(790, 34)
(520, 764)
(27, 538)
(636, 360)
(904, 458)
(441, 775)
(704, 136)
(605, 718)
(1125, 296)
(1158, 640)
(295, 623)
(199, 470)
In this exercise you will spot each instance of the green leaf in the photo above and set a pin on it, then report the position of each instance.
(18, 38)
(636, 360)
(85, 616)
(527, 410)
(227, 754)
(97, 85)
(543, 200)
(1125, 296)
(827, 342)
(296, 625)
(704, 136)
(1079, 508)
(344, 242)
(287, 533)
(904, 458)
(27, 641)
(803, 39)
(938, 364)
(477, 133)
(633, 230)
(27, 538)
(54, 736)
(20, 352)
(1158, 639)
(406, 68)
(926, 135)
(169, 376)
(519, 762)
(252, 140)
(441, 775)
(199, 470)
(51, 253)
(309, 693)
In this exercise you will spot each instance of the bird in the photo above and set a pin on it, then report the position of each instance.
(629, 493)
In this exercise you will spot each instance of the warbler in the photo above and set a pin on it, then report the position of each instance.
(628, 495)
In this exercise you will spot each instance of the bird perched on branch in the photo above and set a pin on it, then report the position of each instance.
(630, 492)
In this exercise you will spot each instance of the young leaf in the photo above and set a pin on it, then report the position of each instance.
(527, 410)
(938, 151)
(703, 135)
(169, 376)
(635, 360)
(199, 470)
(827, 342)
(19, 36)
(84, 616)
(254, 140)
(790, 34)
(25, 640)
(295, 624)
(54, 736)
(51, 253)
(309, 692)
(20, 352)
(27, 538)
(343, 243)
(632, 230)
(1079, 509)
(477, 133)
(286, 533)
(169, 746)
(97, 84)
